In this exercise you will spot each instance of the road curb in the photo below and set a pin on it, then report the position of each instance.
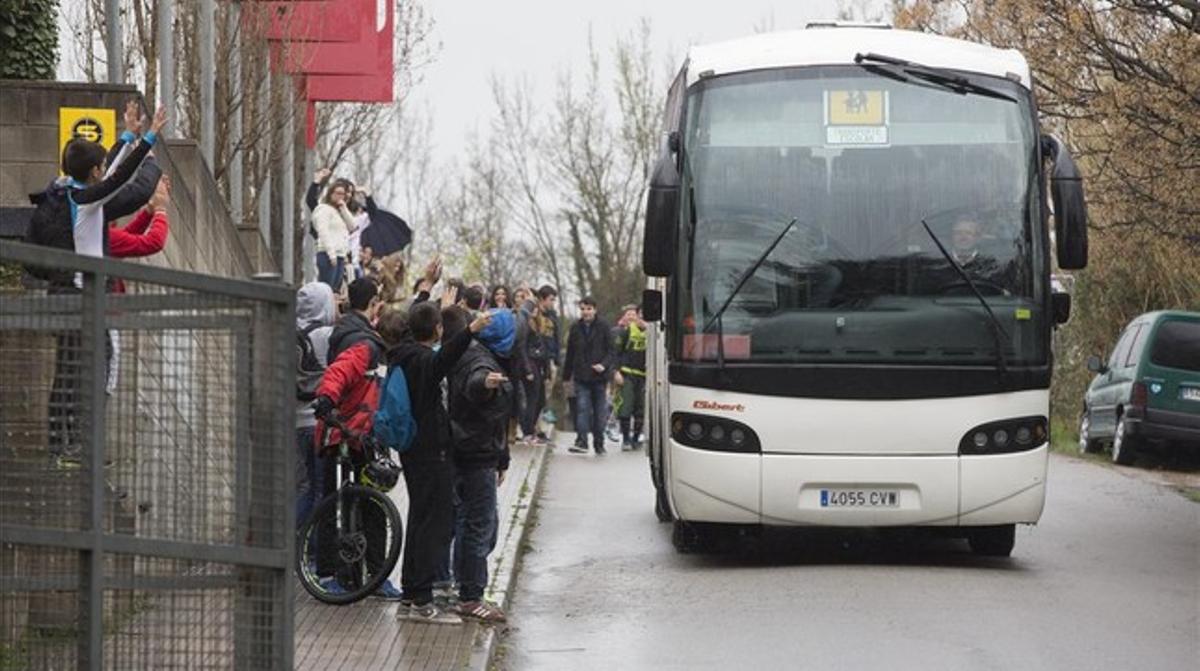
(504, 573)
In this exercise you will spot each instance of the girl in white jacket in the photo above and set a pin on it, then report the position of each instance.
(333, 223)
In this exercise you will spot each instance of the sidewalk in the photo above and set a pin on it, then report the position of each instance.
(367, 635)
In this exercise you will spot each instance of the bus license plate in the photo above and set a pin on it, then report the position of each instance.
(1189, 393)
(860, 498)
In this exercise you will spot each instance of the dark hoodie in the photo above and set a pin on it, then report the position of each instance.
(478, 415)
(425, 369)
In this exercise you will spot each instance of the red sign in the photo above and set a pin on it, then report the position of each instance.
(697, 347)
(334, 48)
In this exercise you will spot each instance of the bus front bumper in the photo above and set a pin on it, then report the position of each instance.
(859, 490)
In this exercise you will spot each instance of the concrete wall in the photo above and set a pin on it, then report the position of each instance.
(203, 236)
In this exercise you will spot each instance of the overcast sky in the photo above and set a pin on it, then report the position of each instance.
(538, 39)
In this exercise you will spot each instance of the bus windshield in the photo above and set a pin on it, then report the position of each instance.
(859, 160)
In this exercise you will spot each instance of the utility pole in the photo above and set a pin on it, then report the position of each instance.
(166, 62)
(308, 250)
(208, 144)
(264, 192)
(116, 54)
(236, 155)
(287, 186)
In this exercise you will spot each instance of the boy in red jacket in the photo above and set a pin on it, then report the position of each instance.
(351, 387)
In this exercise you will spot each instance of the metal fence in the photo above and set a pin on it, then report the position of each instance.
(146, 442)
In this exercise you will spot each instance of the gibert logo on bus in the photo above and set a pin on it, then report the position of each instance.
(713, 405)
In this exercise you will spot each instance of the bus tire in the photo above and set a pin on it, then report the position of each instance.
(994, 541)
(688, 538)
(662, 508)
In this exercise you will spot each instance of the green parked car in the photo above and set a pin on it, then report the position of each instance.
(1149, 391)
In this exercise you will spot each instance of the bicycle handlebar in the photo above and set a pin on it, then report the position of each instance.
(367, 439)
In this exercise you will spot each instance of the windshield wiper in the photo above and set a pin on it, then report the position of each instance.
(902, 70)
(716, 318)
(1001, 336)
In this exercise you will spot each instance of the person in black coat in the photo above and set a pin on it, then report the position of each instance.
(481, 396)
(588, 367)
(428, 471)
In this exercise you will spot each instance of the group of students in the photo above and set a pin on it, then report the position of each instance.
(79, 212)
(459, 360)
(345, 250)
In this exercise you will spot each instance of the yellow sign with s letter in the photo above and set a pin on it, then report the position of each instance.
(87, 123)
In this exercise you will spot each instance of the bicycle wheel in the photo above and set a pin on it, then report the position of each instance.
(349, 545)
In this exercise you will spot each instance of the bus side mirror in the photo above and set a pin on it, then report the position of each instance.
(1070, 208)
(1060, 303)
(652, 305)
(662, 217)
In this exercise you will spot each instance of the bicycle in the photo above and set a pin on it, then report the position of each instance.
(350, 543)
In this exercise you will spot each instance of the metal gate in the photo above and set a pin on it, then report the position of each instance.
(146, 468)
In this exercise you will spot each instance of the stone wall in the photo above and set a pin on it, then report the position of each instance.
(203, 236)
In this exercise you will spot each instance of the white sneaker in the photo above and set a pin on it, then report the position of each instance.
(430, 614)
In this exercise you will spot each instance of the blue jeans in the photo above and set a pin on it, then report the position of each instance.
(310, 475)
(329, 272)
(477, 526)
(591, 411)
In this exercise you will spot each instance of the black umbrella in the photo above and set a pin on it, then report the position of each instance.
(386, 234)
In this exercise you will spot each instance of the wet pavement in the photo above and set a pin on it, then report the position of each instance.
(1110, 579)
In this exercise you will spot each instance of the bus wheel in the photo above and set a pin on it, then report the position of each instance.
(994, 541)
(662, 509)
(688, 538)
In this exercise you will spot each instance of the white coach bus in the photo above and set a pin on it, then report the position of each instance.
(848, 239)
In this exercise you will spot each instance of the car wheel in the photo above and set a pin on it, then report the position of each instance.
(1087, 444)
(997, 541)
(1124, 446)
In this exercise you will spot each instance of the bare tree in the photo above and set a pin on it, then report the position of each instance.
(521, 138)
(601, 167)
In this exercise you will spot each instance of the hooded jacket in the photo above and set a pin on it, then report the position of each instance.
(315, 307)
(354, 375)
(478, 415)
(425, 369)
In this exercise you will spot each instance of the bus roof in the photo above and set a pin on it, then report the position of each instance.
(838, 45)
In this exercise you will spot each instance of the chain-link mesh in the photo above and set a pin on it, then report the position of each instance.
(186, 388)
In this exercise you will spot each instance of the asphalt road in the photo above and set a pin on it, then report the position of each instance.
(1110, 579)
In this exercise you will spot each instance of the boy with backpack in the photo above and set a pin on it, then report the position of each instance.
(316, 311)
(428, 471)
(70, 215)
(351, 386)
(480, 403)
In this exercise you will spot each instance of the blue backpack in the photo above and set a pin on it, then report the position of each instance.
(394, 425)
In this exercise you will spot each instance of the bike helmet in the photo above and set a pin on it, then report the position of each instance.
(381, 473)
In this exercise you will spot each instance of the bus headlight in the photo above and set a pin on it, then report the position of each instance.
(1004, 436)
(707, 432)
